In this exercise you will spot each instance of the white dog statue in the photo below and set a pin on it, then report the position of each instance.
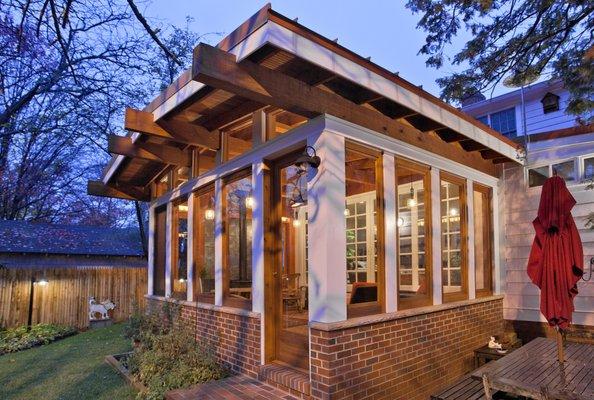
(493, 344)
(101, 308)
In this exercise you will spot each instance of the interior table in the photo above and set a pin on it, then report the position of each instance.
(534, 371)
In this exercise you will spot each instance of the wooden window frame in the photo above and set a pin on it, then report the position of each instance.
(489, 231)
(379, 306)
(160, 251)
(198, 255)
(425, 170)
(463, 201)
(227, 300)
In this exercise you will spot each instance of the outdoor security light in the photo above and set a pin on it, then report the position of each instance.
(308, 158)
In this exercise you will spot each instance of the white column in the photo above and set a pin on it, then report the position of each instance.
(470, 242)
(326, 230)
(498, 242)
(390, 249)
(436, 236)
(190, 250)
(151, 251)
(218, 243)
(258, 171)
(168, 249)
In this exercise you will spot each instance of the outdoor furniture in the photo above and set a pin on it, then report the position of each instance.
(484, 354)
(291, 291)
(533, 371)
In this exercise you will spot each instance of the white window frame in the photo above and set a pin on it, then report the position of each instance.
(370, 233)
(582, 167)
(578, 173)
(446, 250)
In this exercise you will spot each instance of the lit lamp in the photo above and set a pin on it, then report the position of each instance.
(209, 214)
(249, 201)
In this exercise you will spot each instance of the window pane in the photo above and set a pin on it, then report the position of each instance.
(159, 253)
(537, 176)
(589, 168)
(204, 235)
(238, 228)
(482, 238)
(452, 257)
(504, 122)
(484, 119)
(413, 188)
(179, 262)
(361, 200)
(565, 170)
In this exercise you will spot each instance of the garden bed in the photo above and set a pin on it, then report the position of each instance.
(119, 362)
(22, 338)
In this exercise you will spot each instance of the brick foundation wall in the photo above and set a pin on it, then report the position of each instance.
(233, 334)
(401, 357)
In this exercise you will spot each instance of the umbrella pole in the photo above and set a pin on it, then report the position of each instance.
(560, 351)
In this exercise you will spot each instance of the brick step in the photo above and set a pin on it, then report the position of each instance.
(286, 378)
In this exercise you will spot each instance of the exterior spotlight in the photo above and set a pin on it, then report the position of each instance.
(209, 214)
(308, 158)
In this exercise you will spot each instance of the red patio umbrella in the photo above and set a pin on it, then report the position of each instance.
(556, 260)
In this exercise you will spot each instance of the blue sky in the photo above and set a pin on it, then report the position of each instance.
(382, 29)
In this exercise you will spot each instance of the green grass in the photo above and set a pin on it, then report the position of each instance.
(71, 368)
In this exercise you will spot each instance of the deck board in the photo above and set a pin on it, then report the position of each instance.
(534, 366)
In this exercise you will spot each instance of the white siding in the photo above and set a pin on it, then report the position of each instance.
(522, 298)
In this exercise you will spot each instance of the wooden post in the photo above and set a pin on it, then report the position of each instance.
(560, 351)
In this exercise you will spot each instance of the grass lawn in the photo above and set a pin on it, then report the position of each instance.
(72, 368)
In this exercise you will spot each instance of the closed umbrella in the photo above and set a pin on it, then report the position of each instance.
(556, 260)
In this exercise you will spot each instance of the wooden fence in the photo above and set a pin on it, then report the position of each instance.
(64, 300)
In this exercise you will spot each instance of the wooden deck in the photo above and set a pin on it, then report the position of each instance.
(533, 371)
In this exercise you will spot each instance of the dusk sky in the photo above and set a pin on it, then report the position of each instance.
(382, 29)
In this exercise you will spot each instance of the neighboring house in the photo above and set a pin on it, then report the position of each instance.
(367, 273)
(556, 143)
(63, 265)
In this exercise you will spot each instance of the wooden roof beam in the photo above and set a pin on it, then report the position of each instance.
(450, 136)
(98, 188)
(148, 151)
(217, 68)
(178, 131)
(471, 145)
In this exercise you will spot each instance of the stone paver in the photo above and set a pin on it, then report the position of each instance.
(239, 387)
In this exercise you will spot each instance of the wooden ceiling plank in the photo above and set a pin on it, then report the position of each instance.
(183, 132)
(217, 68)
(148, 151)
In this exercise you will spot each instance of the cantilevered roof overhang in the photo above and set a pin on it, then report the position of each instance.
(271, 60)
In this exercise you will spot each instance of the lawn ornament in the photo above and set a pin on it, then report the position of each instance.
(101, 308)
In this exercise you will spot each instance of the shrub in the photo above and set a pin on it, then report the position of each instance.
(168, 356)
(21, 338)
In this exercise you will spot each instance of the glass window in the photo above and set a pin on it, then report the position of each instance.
(203, 237)
(504, 122)
(589, 168)
(363, 191)
(159, 253)
(414, 226)
(237, 212)
(453, 237)
(179, 253)
(238, 138)
(482, 239)
(537, 176)
(565, 170)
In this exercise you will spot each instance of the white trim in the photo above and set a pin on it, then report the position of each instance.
(151, 252)
(168, 250)
(190, 249)
(498, 274)
(471, 264)
(390, 223)
(258, 237)
(436, 236)
(218, 243)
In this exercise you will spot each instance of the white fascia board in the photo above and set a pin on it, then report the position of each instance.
(325, 58)
(400, 148)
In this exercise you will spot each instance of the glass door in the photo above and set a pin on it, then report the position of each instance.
(290, 266)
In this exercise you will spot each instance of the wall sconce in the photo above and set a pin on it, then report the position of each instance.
(297, 199)
(308, 158)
